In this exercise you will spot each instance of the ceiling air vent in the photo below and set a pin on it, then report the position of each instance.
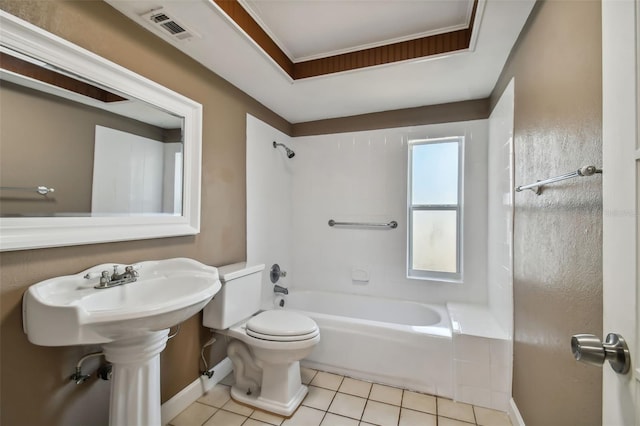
(158, 18)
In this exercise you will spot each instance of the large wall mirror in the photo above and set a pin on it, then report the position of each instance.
(91, 152)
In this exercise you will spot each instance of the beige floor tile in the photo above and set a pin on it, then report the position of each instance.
(381, 414)
(270, 418)
(355, 387)
(334, 400)
(419, 402)
(319, 398)
(307, 375)
(194, 415)
(253, 422)
(446, 421)
(305, 416)
(234, 407)
(386, 394)
(225, 418)
(416, 418)
(347, 405)
(487, 417)
(327, 380)
(456, 410)
(216, 397)
(335, 420)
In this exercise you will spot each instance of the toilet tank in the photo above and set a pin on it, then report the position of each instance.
(238, 299)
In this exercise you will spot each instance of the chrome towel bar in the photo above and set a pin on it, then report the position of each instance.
(393, 224)
(537, 187)
(42, 190)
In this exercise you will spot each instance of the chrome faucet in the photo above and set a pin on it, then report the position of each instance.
(115, 279)
(280, 289)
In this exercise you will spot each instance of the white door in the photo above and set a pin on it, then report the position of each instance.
(621, 172)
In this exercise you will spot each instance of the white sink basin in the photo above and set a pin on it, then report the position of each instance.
(68, 310)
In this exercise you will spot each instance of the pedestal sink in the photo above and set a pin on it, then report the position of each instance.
(130, 321)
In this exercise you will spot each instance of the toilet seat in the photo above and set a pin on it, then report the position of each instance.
(281, 326)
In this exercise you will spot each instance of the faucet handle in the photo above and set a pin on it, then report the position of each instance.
(96, 274)
(133, 270)
(275, 273)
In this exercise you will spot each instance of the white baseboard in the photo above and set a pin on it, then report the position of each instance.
(514, 414)
(195, 390)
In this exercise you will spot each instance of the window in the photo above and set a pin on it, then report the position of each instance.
(434, 210)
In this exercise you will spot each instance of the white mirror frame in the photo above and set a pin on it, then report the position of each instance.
(39, 232)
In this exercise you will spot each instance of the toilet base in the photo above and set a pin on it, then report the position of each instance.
(269, 405)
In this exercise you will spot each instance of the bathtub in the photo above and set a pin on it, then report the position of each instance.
(399, 343)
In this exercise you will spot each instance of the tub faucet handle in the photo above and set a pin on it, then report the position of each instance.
(276, 273)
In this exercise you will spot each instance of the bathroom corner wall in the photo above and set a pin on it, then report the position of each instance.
(269, 203)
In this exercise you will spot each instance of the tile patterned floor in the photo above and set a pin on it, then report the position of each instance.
(335, 400)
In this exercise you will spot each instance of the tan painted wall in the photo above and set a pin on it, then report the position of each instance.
(557, 235)
(34, 380)
(476, 109)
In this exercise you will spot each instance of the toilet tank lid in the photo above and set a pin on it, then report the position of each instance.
(237, 270)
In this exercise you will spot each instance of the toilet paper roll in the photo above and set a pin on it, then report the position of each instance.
(279, 301)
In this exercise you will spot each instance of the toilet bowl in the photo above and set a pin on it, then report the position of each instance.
(266, 347)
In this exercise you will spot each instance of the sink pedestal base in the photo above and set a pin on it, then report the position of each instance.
(135, 387)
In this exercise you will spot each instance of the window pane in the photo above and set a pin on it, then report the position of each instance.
(434, 240)
(434, 173)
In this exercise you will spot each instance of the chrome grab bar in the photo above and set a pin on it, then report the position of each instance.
(393, 224)
(583, 171)
(42, 190)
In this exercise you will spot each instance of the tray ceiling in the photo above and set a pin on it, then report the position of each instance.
(313, 32)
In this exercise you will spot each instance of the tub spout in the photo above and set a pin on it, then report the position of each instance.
(280, 289)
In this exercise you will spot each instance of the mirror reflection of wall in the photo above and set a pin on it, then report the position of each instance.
(135, 174)
(47, 139)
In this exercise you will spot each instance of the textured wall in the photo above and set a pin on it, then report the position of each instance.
(34, 387)
(558, 235)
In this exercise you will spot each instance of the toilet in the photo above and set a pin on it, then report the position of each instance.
(266, 346)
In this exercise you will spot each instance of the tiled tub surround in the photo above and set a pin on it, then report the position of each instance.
(359, 177)
(395, 342)
(482, 357)
(336, 400)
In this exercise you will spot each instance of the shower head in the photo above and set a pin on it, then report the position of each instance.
(290, 153)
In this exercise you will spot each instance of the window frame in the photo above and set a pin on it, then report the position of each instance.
(421, 274)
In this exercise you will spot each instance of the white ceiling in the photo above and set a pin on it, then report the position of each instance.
(310, 28)
(307, 30)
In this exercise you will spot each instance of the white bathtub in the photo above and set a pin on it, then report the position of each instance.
(395, 342)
